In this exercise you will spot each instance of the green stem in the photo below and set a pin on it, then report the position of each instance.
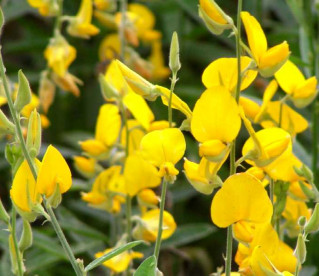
(173, 83)
(128, 217)
(15, 242)
(297, 269)
(315, 142)
(229, 245)
(160, 222)
(58, 21)
(122, 29)
(31, 164)
(63, 240)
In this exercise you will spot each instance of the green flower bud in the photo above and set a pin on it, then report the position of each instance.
(26, 236)
(302, 221)
(34, 134)
(301, 250)
(313, 223)
(24, 92)
(108, 91)
(174, 62)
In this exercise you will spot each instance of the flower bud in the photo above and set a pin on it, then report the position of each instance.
(301, 250)
(214, 17)
(109, 93)
(313, 223)
(302, 221)
(24, 92)
(174, 62)
(34, 133)
(26, 236)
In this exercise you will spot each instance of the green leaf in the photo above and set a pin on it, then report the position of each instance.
(148, 267)
(111, 254)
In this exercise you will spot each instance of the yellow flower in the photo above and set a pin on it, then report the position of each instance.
(291, 121)
(59, 54)
(203, 176)
(68, 83)
(241, 198)
(45, 7)
(107, 190)
(265, 146)
(121, 262)
(302, 91)
(107, 129)
(265, 252)
(86, 166)
(164, 148)
(80, 25)
(147, 229)
(268, 60)
(214, 17)
(223, 72)
(283, 167)
(148, 198)
(110, 47)
(105, 5)
(296, 192)
(53, 174)
(139, 174)
(24, 192)
(215, 116)
(251, 108)
(136, 133)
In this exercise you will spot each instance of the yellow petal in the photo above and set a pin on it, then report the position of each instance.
(305, 93)
(274, 59)
(84, 165)
(23, 191)
(289, 77)
(161, 146)
(108, 124)
(145, 19)
(54, 171)
(223, 72)
(150, 223)
(213, 150)
(255, 35)
(242, 197)
(136, 134)
(139, 174)
(94, 147)
(209, 7)
(110, 47)
(177, 103)
(139, 109)
(251, 109)
(216, 116)
(291, 121)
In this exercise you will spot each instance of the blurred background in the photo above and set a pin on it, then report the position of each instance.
(197, 247)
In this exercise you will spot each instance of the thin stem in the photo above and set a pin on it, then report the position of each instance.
(15, 242)
(58, 21)
(297, 269)
(173, 83)
(229, 248)
(32, 166)
(160, 222)
(63, 240)
(128, 217)
(271, 191)
(122, 29)
(229, 245)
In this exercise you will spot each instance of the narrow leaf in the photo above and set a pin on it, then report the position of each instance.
(112, 254)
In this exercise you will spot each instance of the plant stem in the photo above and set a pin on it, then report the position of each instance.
(173, 83)
(26, 154)
(229, 246)
(63, 240)
(160, 223)
(58, 21)
(122, 29)
(12, 228)
(297, 268)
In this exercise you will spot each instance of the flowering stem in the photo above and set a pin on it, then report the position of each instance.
(160, 222)
(173, 83)
(63, 240)
(28, 158)
(122, 29)
(229, 245)
(58, 22)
